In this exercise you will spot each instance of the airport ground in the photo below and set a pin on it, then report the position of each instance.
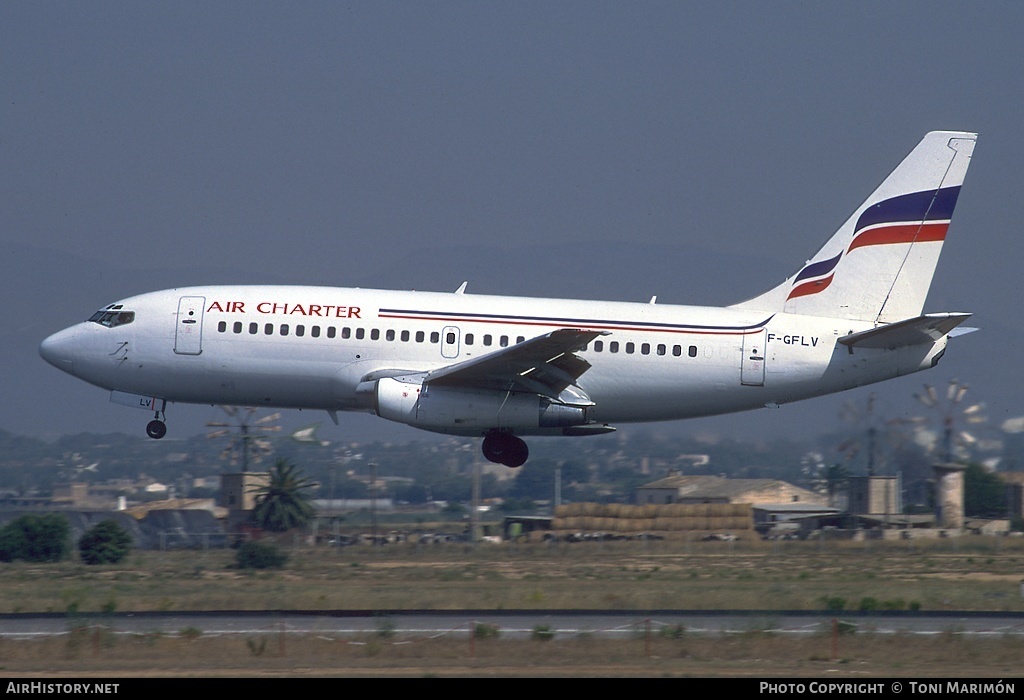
(970, 573)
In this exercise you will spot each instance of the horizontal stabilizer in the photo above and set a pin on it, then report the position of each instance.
(913, 331)
(962, 330)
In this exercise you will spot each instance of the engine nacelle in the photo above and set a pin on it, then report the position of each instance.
(459, 410)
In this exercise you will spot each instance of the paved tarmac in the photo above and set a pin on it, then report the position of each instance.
(520, 622)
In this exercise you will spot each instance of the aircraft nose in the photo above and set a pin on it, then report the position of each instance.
(58, 350)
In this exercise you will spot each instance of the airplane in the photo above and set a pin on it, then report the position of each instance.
(502, 368)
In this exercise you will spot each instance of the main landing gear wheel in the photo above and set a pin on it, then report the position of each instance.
(156, 429)
(503, 448)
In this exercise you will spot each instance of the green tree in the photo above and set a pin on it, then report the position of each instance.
(984, 493)
(105, 543)
(36, 538)
(535, 480)
(283, 503)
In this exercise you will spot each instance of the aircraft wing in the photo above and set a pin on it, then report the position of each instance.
(544, 365)
(923, 329)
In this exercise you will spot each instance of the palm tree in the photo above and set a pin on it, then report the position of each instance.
(283, 504)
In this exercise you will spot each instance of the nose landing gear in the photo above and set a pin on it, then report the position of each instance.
(156, 428)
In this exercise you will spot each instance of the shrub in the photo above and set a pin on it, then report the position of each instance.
(673, 631)
(385, 627)
(260, 555)
(105, 543)
(256, 648)
(482, 630)
(35, 538)
(868, 604)
(834, 603)
(543, 633)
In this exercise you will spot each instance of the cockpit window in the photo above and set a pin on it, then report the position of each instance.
(113, 316)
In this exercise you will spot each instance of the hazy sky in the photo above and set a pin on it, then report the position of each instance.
(584, 149)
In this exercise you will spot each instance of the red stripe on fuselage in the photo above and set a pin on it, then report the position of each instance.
(586, 326)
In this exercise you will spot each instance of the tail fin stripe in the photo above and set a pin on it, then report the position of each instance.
(817, 269)
(812, 287)
(930, 205)
(905, 233)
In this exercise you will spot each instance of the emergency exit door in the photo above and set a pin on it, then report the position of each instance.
(754, 353)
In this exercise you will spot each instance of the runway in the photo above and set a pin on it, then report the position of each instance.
(520, 623)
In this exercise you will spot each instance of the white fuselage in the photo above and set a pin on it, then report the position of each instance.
(312, 347)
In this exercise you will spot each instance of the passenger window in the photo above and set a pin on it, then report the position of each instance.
(677, 350)
(331, 331)
(419, 336)
(222, 326)
(435, 337)
(520, 339)
(268, 329)
(254, 328)
(315, 331)
(693, 351)
(613, 346)
(405, 336)
(360, 333)
(450, 339)
(469, 338)
(300, 330)
(346, 333)
(598, 345)
(284, 329)
(645, 349)
(374, 334)
(503, 342)
(238, 327)
(389, 335)
(661, 349)
(630, 348)
(487, 340)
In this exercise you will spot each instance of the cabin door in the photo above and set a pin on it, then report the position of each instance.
(188, 335)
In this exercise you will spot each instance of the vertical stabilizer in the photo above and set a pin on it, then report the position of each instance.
(879, 264)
